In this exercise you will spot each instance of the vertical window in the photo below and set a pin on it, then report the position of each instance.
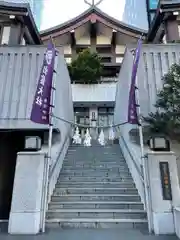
(5, 35)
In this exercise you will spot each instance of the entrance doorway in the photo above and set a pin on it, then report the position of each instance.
(105, 118)
(81, 115)
(11, 142)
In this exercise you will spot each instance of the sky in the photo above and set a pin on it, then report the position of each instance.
(55, 12)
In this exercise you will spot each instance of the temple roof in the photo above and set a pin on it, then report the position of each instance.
(23, 12)
(92, 14)
(164, 11)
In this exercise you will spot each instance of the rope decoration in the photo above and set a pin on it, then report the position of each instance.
(86, 140)
(87, 126)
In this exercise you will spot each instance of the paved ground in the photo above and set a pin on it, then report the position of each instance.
(87, 234)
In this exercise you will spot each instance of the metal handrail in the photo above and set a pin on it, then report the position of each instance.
(134, 162)
(47, 182)
(55, 164)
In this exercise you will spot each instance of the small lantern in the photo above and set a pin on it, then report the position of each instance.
(159, 143)
(32, 143)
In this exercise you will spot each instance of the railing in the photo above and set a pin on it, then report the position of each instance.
(101, 80)
(57, 159)
(141, 178)
(139, 170)
(50, 178)
(108, 79)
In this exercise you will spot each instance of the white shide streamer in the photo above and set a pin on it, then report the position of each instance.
(111, 134)
(101, 138)
(77, 137)
(87, 139)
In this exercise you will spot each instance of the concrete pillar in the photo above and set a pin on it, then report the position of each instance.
(93, 118)
(15, 34)
(171, 29)
(73, 52)
(93, 43)
(27, 199)
(113, 53)
(162, 210)
(177, 220)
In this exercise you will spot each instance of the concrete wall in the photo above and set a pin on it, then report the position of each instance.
(20, 68)
(17, 93)
(104, 92)
(27, 201)
(162, 210)
(155, 61)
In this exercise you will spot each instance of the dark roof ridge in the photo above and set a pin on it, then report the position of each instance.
(25, 9)
(87, 12)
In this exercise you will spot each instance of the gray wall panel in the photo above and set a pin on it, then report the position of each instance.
(155, 61)
(20, 68)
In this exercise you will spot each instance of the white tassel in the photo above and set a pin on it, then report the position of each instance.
(77, 137)
(87, 139)
(111, 134)
(101, 138)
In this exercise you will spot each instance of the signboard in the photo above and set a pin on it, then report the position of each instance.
(165, 181)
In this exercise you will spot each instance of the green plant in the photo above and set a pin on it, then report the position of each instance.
(166, 119)
(86, 68)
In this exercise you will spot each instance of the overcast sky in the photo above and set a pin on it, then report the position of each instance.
(58, 11)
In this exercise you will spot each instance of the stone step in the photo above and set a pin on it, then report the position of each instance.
(103, 149)
(100, 158)
(94, 179)
(96, 213)
(95, 190)
(81, 190)
(105, 184)
(95, 197)
(94, 174)
(114, 151)
(97, 223)
(92, 169)
(96, 205)
(92, 164)
(100, 161)
(95, 164)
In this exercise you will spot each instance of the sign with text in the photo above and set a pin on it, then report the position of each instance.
(42, 98)
(165, 180)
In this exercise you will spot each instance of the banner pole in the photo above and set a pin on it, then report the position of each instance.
(134, 117)
(49, 156)
(143, 163)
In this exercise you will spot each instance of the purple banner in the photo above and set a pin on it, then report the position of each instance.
(132, 108)
(42, 98)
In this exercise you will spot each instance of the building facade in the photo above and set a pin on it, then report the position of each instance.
(135, 13)
(24, 208)
(36, 8)
(94, 103)
(151, 10)
(165, 27)
(145, 16)
(17, 26)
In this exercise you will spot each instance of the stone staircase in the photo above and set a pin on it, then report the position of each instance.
(95, 190)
